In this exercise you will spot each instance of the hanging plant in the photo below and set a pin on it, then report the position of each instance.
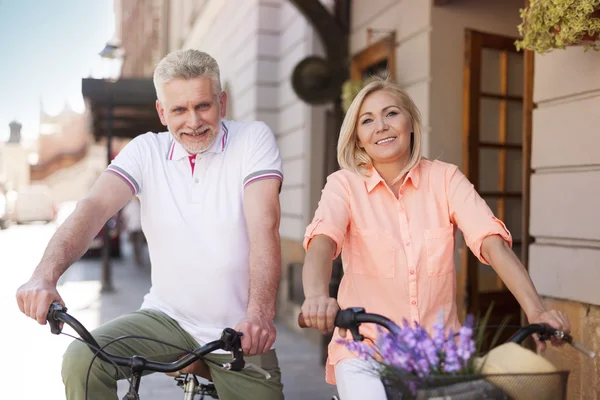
(555, 24)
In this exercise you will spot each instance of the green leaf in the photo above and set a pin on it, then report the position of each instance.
(555, 24)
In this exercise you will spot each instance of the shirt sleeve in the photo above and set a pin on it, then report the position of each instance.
(262, 156)
(128, 164)
(333, 214)
(471, 213)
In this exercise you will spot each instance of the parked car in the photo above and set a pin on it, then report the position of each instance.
(34, 203)
(7, 206)
(5, 217)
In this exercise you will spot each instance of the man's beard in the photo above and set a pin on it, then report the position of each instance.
(207, 134)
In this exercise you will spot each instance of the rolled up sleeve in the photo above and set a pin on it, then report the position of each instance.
(333, 214)
(471, 213)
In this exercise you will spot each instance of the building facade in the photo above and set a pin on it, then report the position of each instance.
(519, 127)
(564, 260)
(141, 26)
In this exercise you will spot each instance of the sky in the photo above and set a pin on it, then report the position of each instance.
(46, 47)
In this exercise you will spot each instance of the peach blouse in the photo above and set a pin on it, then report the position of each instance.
(398, 254)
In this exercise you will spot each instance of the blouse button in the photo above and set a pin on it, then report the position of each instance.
(413, 302)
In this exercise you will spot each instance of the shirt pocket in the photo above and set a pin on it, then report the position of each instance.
(439, 245)
(373, 254)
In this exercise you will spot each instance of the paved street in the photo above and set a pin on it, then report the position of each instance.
(32, 356)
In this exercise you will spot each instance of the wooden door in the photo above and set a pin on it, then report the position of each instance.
(493, 158)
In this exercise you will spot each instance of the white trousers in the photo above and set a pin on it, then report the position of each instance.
(357, 380)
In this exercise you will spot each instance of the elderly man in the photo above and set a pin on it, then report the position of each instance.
(209, 191)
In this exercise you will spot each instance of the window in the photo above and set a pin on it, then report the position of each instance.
(377, 59)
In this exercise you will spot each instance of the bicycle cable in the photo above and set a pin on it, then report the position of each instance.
(98, 350)
(132, 337)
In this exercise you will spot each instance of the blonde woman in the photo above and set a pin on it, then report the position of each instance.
(392, 215)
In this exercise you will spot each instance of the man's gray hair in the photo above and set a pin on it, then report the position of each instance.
(186, 64)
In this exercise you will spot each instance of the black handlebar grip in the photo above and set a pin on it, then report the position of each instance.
(347, 319)
(52, 321)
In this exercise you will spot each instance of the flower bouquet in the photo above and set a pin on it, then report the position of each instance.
(411, 363)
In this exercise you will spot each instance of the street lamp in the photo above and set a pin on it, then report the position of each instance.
(112, 60)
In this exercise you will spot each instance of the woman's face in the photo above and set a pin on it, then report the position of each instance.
(384, 129)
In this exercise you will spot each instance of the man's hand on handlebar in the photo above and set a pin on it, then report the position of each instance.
(319, 313)
(258, 333)
(35, 296)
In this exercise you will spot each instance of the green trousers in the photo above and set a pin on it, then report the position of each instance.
(103, 377)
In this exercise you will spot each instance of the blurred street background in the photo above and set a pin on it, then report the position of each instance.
(521, 123)
(32, 355)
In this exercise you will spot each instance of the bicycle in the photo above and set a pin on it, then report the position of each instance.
(465, 387)
(229, 341)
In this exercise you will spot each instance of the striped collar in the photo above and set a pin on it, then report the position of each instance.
(177, 151)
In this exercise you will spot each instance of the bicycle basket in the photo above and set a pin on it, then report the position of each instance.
(540, 386)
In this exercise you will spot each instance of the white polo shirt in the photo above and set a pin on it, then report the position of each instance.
(193, 218)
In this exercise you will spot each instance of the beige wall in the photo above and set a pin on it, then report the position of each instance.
(447, 61)
(565, 188)
(74, 182)
(256, 60)
(142, 27)
(64, 133)
(410, 19)
(565, 259)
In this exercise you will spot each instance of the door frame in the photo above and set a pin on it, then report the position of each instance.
(475, 40)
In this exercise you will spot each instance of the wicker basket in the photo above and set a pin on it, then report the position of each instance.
(543, 386)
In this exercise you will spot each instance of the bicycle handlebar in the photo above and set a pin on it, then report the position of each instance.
(351, 318)
(230, 341)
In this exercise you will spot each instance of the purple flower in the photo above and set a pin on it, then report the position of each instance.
(438, 331)
(361, 349)
(466, 344)
(430, 352)
(422, 369)
(410, 350)
(408, 336)
(451, 361)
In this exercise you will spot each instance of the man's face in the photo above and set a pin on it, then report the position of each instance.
(192, 111)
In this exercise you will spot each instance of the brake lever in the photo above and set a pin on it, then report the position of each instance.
(568, 339)
(54, 323)
(258, 369)
(232, 343)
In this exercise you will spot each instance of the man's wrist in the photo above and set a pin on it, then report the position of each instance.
(48, 277)
(266, 312)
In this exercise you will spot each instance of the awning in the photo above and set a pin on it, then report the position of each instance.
(133, 106)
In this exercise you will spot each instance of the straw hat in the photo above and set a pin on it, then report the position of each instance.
(511, 358)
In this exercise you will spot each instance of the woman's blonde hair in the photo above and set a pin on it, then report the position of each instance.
(350, 156)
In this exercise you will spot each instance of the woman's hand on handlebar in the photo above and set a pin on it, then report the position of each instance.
(319, 313)
(35, 296)
(556, 319)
